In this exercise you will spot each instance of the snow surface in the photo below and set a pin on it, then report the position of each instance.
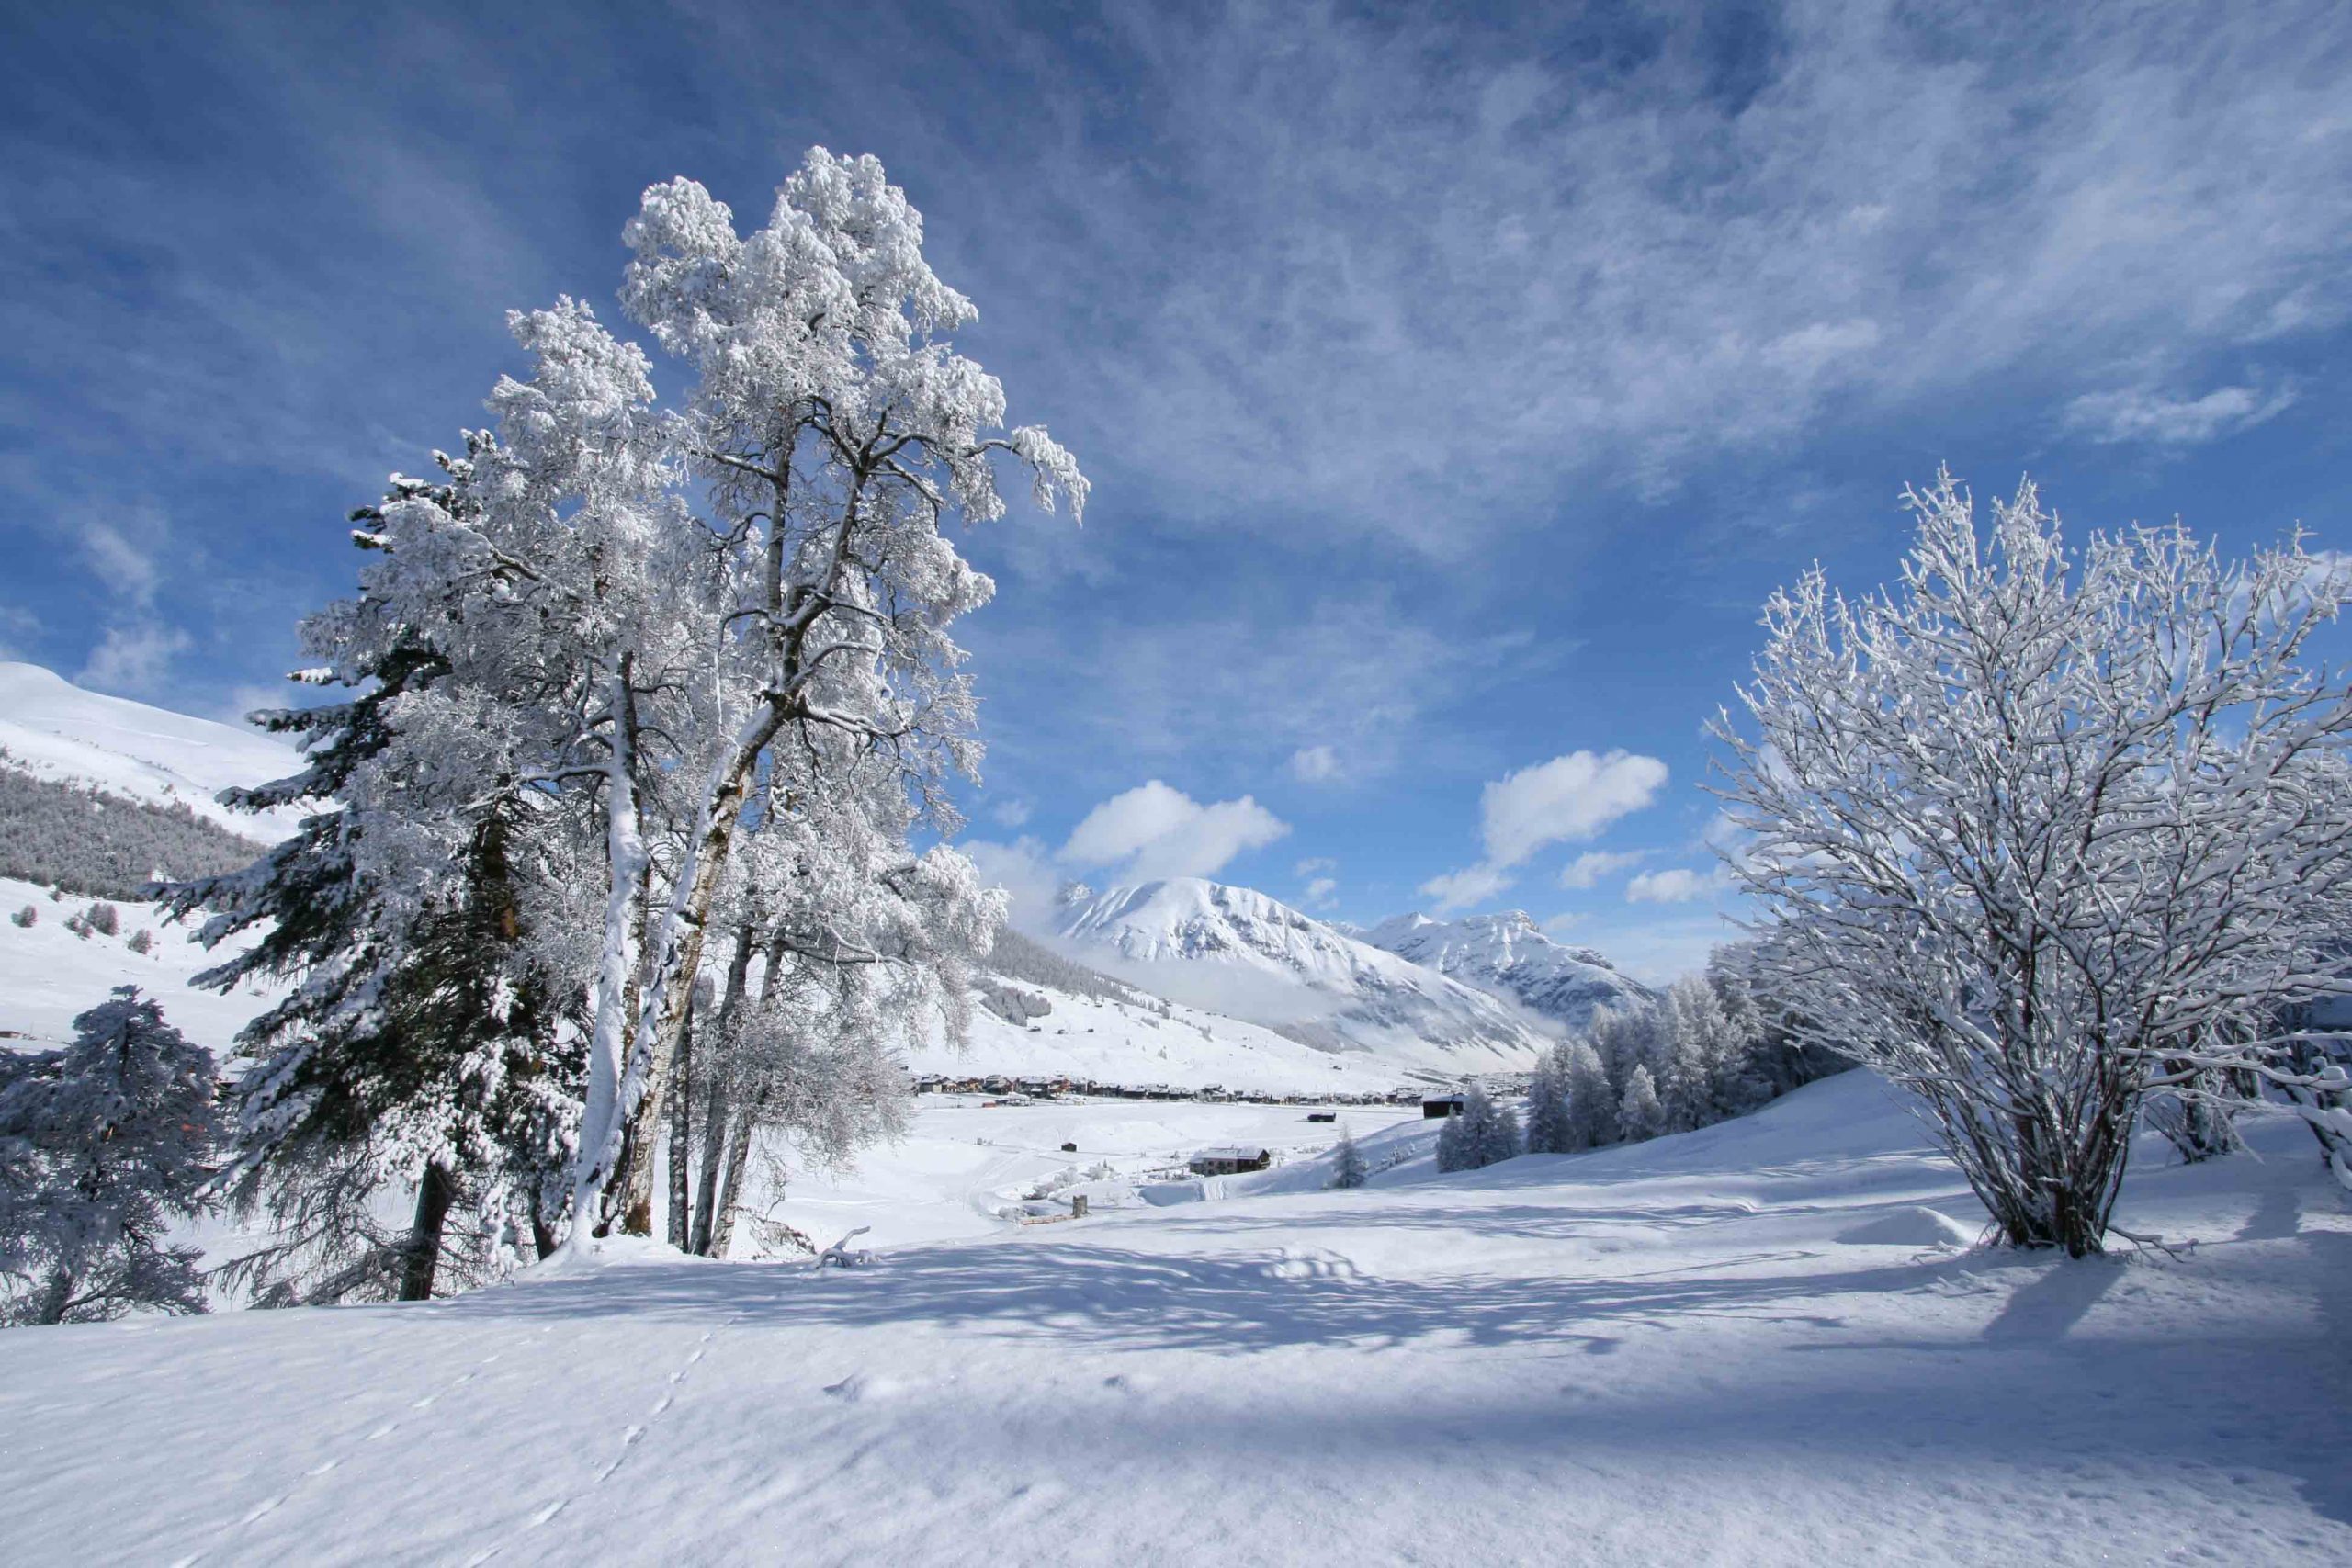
(48, 974)
(55, 730)
(1661, 1354)
(1238, 951)
(1508, 955)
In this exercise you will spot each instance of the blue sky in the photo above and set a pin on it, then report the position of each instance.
(1454, 385)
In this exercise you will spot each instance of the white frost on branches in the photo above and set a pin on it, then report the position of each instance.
(2033, 833)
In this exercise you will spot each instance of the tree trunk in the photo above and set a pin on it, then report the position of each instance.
(669, 986)
(55, 1297)
(434, 1196)
(714, 1124)
(738, 1158)
(602, 1118)
(682, 1088)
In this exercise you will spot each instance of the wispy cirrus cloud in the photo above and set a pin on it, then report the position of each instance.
(2113, 418)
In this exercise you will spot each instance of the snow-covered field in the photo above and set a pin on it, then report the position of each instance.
(1752, 1344)
(48, 976)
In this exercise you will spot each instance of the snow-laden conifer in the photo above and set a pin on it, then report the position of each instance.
(1348, 1167)
(104, 1145)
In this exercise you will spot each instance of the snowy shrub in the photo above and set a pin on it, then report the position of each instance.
(102, 919)
(102, 1145)
(141, 941)
(2038, 832)
(25, 917)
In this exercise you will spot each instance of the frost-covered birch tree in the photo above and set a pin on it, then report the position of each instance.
(2035, 832)
(837, 433)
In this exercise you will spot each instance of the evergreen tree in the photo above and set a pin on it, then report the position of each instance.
(1639, 1115)
(102, 1145)
(1347, 1162)
(421, 1049)
(1592, 1107)
(1550, 1125)
(1484, 1133)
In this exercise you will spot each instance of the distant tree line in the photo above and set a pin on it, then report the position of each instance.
(1702, 1053)
(103, 845)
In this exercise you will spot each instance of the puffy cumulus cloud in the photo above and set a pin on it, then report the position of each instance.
(1315, 764)
(1010, 813)
(1319, 891)
(1573, 796)
(1589, 868)
(1155, 830)
(2150, 416)
(1676, 884)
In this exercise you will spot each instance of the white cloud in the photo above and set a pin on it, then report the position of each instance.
(1319, 891)
(1314, 864)
(1023, 868)
(1589, 868)
(1472, 884)
(1627, 264)
(1314, 764)
(1676, 884)
(2110, 417)
(1154, 832)
(1573, 796)
(126, 568)
(132, 660)
(1010, 813)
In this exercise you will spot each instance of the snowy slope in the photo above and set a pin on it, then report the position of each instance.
(1688, 1352)
(1508, 955)
(55, 730)
(48, 974)
(1129, 1043)
(1248, 955)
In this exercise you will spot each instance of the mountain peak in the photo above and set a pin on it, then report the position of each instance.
(1508, 955)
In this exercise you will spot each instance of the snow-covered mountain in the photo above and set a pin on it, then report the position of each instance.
(1243, 953)
(54, 729)
(1508, 955)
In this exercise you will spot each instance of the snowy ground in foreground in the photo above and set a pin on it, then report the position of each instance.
(1665, 1354)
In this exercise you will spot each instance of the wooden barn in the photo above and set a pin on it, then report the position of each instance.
(1231, 1159)
(1436, 1105)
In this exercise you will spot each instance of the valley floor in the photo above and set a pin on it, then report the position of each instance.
(1740, 1346)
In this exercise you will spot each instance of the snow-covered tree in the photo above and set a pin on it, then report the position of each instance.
(837, 431)
(103, 1144)
(1348, 1168)
(2036, 832)
(422, 911)
(1592, 1105)
(25, 918)
(1640, 1115)
(1549, 1127)
(1482, 1133)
